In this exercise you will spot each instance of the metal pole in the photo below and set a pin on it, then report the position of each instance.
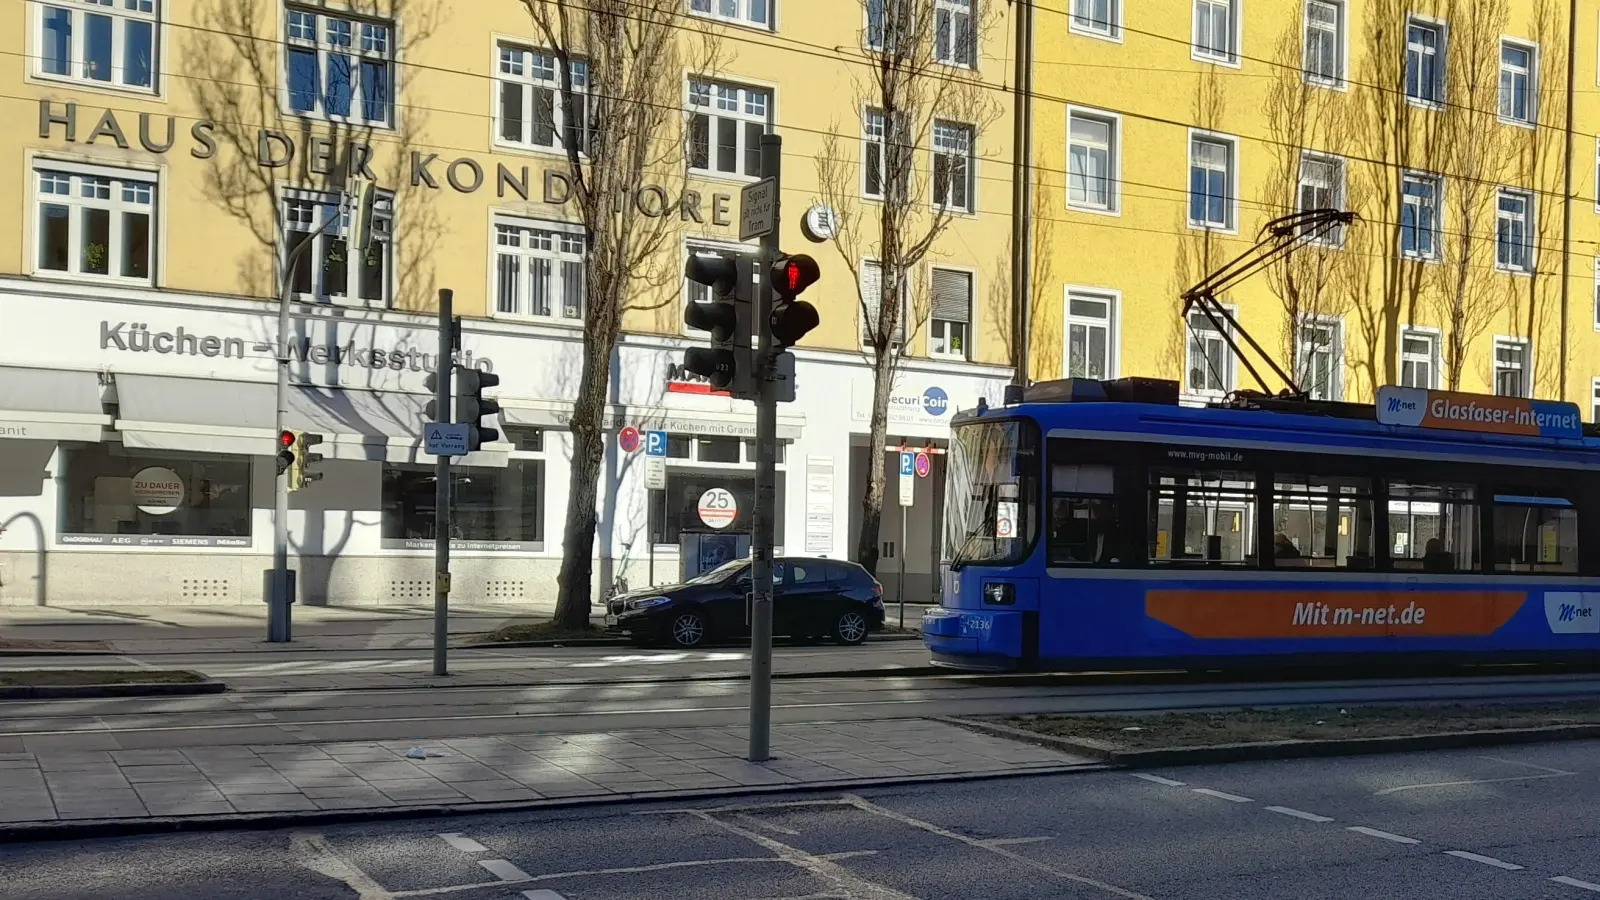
(766, 465)
(441, 488)
(1566, 195)
(900, 589)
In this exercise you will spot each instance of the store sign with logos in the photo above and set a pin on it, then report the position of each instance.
(140, 337)
(908, 405)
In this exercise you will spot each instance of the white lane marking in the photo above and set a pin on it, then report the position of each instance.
(591, 873)
(1157, 779)
(136, 662)
(1012, 842)
(1573, 882)
(1527, 765)
(1439, 784)
(542, 894)
(773, 827)
(1298, 814)
(265, 717)
(836, 875)
(1373, 832)
(315, 854)
(865, 805)
(464, 844)
(1486, 860)
(742, 807)
(1232, 798)
(504, 870)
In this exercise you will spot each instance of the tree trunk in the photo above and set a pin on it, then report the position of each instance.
(872, 501)
(588, 451)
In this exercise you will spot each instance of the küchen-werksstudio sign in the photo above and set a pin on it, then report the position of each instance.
(276, 149)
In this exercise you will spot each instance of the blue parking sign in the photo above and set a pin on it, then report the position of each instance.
(908, 465)
(655, 443)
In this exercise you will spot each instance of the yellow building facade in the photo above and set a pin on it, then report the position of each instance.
(166, 160)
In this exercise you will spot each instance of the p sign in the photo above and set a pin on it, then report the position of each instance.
(655, 443)
(908, 464)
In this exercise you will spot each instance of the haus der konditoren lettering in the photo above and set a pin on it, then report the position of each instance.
(322, 155)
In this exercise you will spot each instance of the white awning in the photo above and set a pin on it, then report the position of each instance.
(558, 414)
(50, 405)
(236, 417)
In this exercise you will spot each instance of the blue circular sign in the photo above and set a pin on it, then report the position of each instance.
(935, 402)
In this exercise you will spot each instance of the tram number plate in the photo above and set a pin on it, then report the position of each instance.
(980, 624)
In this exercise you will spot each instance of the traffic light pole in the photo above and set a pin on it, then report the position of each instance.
(766, 475)
(441, 489)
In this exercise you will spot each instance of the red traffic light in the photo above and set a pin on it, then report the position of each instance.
(286, 439)
(793, 274)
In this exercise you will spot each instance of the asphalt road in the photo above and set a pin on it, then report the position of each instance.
(1507, 825)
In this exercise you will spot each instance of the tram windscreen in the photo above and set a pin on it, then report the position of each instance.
(991, 493)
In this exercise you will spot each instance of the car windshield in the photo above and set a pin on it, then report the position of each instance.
(989, 512)
(720, 573)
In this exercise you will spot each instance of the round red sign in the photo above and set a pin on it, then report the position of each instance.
(923, 465)
(628, 439)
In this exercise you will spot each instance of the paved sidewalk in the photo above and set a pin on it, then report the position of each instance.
(42, 788)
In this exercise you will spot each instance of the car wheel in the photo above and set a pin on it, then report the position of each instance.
(851, 628)
(688, 629)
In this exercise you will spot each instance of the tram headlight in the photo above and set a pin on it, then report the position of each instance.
(1000, 593)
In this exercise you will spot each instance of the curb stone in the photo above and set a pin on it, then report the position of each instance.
(622, 641)
(87, 829)
(14, 651)
(905, 672)
(87, 691)
(1288, 749)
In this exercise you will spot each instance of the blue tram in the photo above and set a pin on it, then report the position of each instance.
(1099, 524)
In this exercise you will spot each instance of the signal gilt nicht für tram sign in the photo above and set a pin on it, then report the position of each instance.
(1419, 408)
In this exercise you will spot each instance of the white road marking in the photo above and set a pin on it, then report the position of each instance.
(1298, 814)
(1527, 765)
(1012, 842)
(742, 807)
(838, 876)
(464, 844)
(1159, 780)
(135, 661)
(591, 873)
(542, 895)
(753, 822)
(1232, 798)
(1439, 784)
(1486, 860)
(315, 854)
(1373, 832)
(1573, 882)
(265, 716)
(868, 806)
(504, 870)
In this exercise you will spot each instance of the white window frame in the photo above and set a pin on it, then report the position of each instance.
(1438, 208)
(968, 159)
(1530, 76)
(1079, 23)
(533, 69)
(1332, 237)
(1435, 360)
(565, 245)
(709, 246)
(1339, 80)
(1594, 400)
(904, 326)
(1503, 340)
(364, 36)
(1335, 351)
(320, 202)
(908, 9)
(1231, 211)
(1233, 53)
(1113, 123)
(1111, 322)
(875, 133)
(1440, 60)
(713, 9)
(1230, 377)
(714, 93)
(1528, 261)
(1596, 293)
(1597, 174)
(952, 11)
(77, 59)
(965, 353)
(116, 203)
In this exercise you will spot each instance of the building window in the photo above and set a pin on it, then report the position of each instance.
(340, 68)
(876, 149)
(1215, 37)
(96, 222)
(1594, 397)
(744, 12)
(1324, 42)
(1091, 346)
(1513, 245)
(872, 301)
(953, 40)
(1517, 100)
(1322, 187)
(887, 20)
(952, 314)
(120, 492)
(538, 270)
(1511, 367)
(1419, 359)
(531, 112)
(1101, 18)
(1211, 174)
(1208, 360)
(1424, 53)
(325, 270)
(1092, 161)
(1596, 293)
(952, 166)
(111, 44)
(1319, 357)
(726, 123)
(1419, 216)
(493, 508)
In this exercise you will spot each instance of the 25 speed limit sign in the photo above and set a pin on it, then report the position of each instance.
(717, 508)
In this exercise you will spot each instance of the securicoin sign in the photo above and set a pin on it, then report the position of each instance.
(1419, 408)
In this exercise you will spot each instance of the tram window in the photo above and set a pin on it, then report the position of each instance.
(1322, 522)
(1433, 527)
(1534, 534)
(1202, 517)
(1083, 516)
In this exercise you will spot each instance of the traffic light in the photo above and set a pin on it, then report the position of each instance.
(792, 318)
(286, 451)
(729, 363)
(301, 474)
(472, 407)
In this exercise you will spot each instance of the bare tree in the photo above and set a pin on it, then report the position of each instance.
(1199, 249)
(1540, 161)
(620, 67)
(1045, 348)
(920, 89)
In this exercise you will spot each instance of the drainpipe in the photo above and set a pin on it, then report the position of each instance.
(1022, 194)
(1566, 194)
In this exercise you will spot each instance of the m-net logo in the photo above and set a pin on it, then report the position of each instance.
(935, 402)
(1569, 612)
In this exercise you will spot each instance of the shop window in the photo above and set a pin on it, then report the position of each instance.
(495, 509)
(675, 511)
(1433, 527)
(1202, 517)
(99, 43)
(1535, 535)
(118, 496)
(1083, 516)
(339, 68)
(1322, 522)
(523, 437)
(327, 270)
(95, 222)
(717, 450)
